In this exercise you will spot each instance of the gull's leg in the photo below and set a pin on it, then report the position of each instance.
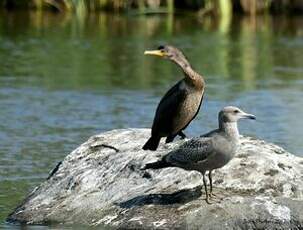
(205, 187)
(182, 135)
(211, 184)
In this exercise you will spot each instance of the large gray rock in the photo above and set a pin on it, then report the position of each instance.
(100, 183)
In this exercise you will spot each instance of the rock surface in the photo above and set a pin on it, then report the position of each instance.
(100, 183)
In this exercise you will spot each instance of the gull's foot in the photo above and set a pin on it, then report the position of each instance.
(212, 195)
(207, 200)
(215, 197)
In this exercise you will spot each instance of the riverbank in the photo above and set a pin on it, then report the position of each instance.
(215, 7)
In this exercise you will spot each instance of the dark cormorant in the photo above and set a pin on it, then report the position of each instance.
(180, 104)
(210, 151)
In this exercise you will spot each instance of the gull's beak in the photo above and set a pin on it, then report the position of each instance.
(248, 116)
(155, 53)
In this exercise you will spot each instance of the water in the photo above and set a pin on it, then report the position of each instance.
(63, 79)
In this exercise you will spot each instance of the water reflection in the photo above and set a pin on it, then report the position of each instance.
(249, 50)
(65, 78)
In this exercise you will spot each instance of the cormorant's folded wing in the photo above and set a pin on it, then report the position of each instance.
(171, 100)
(168, 107)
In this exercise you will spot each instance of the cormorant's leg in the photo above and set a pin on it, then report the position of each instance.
(182, 135)
(170, 138)
(205, 187)
(211, 184)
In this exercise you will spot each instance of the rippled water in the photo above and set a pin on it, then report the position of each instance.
(63, 79)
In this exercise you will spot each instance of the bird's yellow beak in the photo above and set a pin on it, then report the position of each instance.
(154, 52)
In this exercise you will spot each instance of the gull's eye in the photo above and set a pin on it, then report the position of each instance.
(236, 111)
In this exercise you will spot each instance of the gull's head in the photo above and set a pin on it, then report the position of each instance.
(167, 51)
(233, 114)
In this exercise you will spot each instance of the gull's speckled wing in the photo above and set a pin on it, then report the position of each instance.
(191, 152)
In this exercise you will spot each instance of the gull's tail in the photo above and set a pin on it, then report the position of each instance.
(157, 165)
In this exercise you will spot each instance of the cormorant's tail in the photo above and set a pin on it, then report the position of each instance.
(157, 165)
(152, 143)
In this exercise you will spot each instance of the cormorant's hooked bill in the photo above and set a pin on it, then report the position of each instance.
(158, 52)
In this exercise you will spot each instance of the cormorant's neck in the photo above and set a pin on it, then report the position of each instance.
(230, 129)
(189, 73)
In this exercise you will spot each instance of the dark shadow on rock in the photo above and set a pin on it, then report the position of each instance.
(180, 197)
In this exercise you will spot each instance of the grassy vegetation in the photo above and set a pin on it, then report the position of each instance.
(146, 6)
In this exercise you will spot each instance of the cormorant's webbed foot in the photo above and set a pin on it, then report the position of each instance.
(182, 135)
(170, 138)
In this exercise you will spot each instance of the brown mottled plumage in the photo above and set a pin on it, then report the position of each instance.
(180, 104)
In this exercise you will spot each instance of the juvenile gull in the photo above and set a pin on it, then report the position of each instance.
(210, 151)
